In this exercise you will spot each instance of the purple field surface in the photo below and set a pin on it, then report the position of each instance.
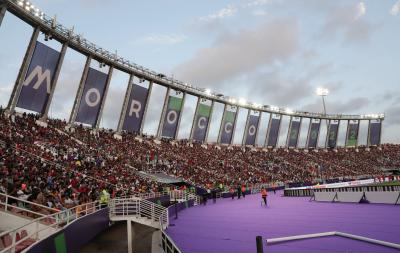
(232, 225)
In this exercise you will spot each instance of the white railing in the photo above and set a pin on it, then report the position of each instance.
(138, 208)
(41, 227)
(168, 245)
(24, 208)
(182, 196)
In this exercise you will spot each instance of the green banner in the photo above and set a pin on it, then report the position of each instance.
(229, 116)
(175, 103)
(204, 110)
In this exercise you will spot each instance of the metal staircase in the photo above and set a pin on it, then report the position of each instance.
(140, 211)
(134, 209)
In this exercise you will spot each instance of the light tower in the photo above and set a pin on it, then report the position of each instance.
(323, 93)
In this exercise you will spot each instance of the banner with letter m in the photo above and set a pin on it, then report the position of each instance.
(36, 87)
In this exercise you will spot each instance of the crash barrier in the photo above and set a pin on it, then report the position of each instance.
(310, 192)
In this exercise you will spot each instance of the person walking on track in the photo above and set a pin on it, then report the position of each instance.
(264, 195)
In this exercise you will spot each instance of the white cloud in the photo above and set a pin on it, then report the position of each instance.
(228, 11)
(346, 21)
(252, 3)
(168, 39)
(395, 9)
(259, 13)
(361, 10)
(245, 50)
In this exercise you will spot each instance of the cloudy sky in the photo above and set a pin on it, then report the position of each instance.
(274, 52)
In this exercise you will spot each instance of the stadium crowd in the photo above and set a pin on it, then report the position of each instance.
(59, 167)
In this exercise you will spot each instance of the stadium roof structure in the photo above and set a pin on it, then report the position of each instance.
(51, 28)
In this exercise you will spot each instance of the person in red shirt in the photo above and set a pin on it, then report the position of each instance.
(264, 195)
(232, 191)
(243, 191)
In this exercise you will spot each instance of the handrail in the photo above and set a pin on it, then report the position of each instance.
(139, 208)
(6, 205)
(52, 221)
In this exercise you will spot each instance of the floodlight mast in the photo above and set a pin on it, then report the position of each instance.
(323, 93)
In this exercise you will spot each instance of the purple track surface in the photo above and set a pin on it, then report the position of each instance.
(232, 225)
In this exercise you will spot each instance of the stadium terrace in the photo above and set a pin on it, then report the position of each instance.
(70, 185)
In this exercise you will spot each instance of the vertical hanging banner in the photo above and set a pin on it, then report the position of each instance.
(252, 130)
(352, 133)
(228, 125)
(36, 87)
(171, 118)
(201, 122)
(273, 131)
(92, 96)
(312, 140)
(333, 133)
(135, 110)
(294, 132)
(375, 128)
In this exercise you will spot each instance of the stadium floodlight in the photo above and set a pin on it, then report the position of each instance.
(208, 92)
(232, 100)
(289, 111)
(322, 91)
(242, 101)
(274, 108)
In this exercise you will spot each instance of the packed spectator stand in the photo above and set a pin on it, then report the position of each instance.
(60, 167)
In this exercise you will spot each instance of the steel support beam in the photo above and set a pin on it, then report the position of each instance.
(103, 100)
(209, 121)
(289, 130)
(54, 81)
(146, 107)
(164, 110)
(125, 104)
(129, 235)
(222, 124)
(308, 134)
(194, 119)
(246, 128)
(234, 125)
(369, 134)
(78, 96)
(180, 116)
(268, 131)
(22, 71)
(3, 10)
(258, 128)
(298, 132)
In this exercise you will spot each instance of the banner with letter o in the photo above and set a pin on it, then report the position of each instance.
(92, 96)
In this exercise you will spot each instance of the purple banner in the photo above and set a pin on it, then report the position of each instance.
(273, 132)
(294, 133)
(135, 110)
(252, 129)
(228, 125)
(89, 107)
(37, 84)
(201, 122)
(313, 134)
(333, 134)
(375, 133)
(171, 118)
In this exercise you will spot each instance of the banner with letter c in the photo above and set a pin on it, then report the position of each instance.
(227, 127)
(201, 122)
